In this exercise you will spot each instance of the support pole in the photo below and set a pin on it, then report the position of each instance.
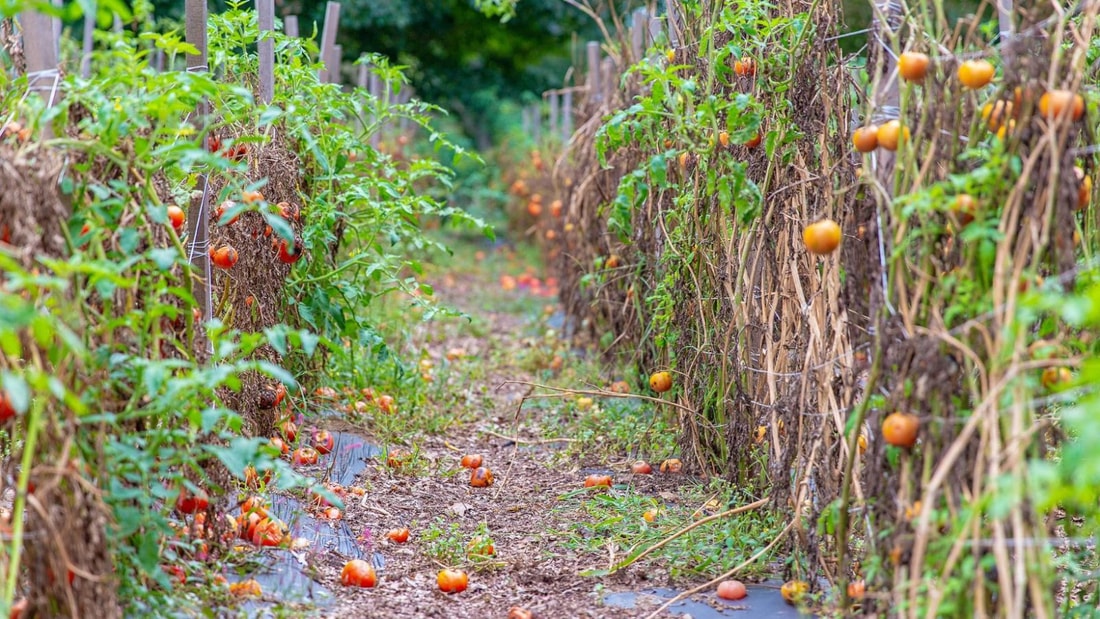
(328, 38)
(89, 32)
(335, 75)
(553, 103)
(637, 33)
(566, 116)
(536, 122)
(198, 215)
(40, 51)
(266, 10)
(290, 26)
(592, 50)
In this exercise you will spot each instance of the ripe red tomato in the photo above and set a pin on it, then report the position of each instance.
(398, 536)
(289, 255)
(188, 503)
(224, 257)
(641, 467)
(7, 411)
(323, 441)
(480, 545)
(358, 573)
(732, 590)
(386, 403)
(452, 581)
(289, 211)
(176, 217)
(471, 461)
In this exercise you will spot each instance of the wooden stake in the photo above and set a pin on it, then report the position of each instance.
(566, 116)
(266, 46)
(553, 100)
(655, 29)
(607, 73)
(592, 50)
(290, 26)
(328, 38)
(637, 33)
(40, 51)
(198, 232)
(374, 86)
(335, 75)
(89, 31)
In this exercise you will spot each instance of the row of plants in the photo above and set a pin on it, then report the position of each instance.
(113, 405)
(893, 312)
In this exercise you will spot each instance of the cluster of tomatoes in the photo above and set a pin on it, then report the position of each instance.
(527, 281)
(225, 256)
(365, 400)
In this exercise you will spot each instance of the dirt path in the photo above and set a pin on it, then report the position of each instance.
(545, 528)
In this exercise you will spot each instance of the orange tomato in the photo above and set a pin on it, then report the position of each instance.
(358, 573)
(224, 257)
(471, 461)
(252, 478)
(995, 114)
(481, 477)
(744, 67)
(753, 142)
(724, 139)
(1054, 377)
(517, 612)
(222, 209)
(1055, 103)
(857, 589)
(398, 536)
(891, 133)
(672, 465)
(251, 197)
(556, 208)
(386, 403)
(975, 74)
(176, 217)
(289, 253)
(865, 139)
(1084, 188)
(793, 590)
(246, 588)
(732, 590)
(660, 381)
(289, 211)
(452, 581)
(280, 444)
(900, 429)
(612, 261)
(593, 481)
(913, 66)
(822, 237)
(965, 208)
(534, 209)
(641, 467)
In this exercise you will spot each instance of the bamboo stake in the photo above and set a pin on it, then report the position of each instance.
(266, 13)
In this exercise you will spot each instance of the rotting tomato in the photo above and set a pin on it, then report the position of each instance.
(965, 208)
(386, 403)
(822, 237)
(280, 444)
(732, 590)
(517, 612)
(660, 381)
(251, 197)
(593, 481)
(289, 211)
(754, 141)
(398, 536)
(672, 465)
(744, 67)
(857, 589)
(358, 573)
(481, 477)
(1084, 188)
(224, 257)
(332, 513)
(452, 581)
(641, 467)
(900, 429)
(324, 442)
(253, 479)
(304, 456)
(221, 210)
(793, 590)
(246, 588)
(480, 545)
(289, 430)
(1055, 377)
(471, 461)
(913, 66)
